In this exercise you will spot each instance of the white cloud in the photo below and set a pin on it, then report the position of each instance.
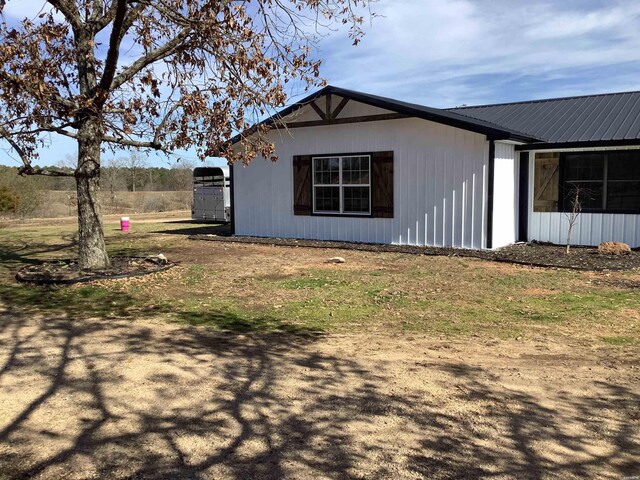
(446, 53)
(449, 52)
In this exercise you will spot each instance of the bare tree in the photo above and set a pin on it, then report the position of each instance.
(112, 179)
(574, 198)
(69, 162)
(134, 165)
(182, 175)
(195, 72)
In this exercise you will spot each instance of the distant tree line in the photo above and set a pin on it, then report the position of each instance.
(22, 195)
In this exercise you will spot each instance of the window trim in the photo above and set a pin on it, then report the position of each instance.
(340, 186)
(562, 189)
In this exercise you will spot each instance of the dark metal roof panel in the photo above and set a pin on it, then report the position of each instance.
(613, 116)
(626, 111)
(599, 128)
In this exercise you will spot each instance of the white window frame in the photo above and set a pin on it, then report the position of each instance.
(340, 185)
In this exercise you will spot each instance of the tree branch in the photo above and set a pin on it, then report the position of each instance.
(70, 11)
(111, 62)
(29, 170)
(21, 153)
(119, 141)
(30, 88)
(26, 168)
(96, 11)
(133, 143)
(161, 125)
(158, 54)
(105, 19)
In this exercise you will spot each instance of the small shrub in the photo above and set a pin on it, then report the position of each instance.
(614, 248)
(9, 201)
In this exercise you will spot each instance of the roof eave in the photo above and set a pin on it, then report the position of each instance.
(492, 133)
(630, 142)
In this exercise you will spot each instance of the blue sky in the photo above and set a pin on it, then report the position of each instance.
(445, 53)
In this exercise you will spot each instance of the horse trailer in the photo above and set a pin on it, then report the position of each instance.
(211, 194)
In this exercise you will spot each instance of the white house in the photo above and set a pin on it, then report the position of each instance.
(362, 168)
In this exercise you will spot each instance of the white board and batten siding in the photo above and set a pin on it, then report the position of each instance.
(590, 229)
(440, 182)
(505, 196)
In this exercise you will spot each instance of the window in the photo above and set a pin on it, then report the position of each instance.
(342, 185)
(607, 181)
(357, 184)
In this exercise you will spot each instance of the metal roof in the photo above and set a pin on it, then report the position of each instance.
(437, 115)
(447, 117)
(591, 118)
(211, 171)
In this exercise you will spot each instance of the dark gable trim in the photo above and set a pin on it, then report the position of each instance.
(444, 117)
(342, 121)
(490, 187)
(601, 143)
(339, 108)
(432, 114)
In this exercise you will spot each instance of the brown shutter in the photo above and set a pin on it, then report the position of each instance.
(382, 184)
(302, 185)
(546, 182)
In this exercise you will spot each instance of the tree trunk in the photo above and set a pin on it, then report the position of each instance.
(92, 249)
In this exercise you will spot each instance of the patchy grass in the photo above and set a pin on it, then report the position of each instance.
(621, 341)
(195, 275)
(262, 288)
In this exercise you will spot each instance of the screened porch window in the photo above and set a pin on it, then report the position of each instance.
(342, 185)
(607, 181)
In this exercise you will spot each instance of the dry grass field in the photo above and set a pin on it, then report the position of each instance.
(61, 203)
(254, 361)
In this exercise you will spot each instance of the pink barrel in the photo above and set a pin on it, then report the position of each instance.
(124, 224)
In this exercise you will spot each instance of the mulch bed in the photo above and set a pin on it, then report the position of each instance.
(67, 272)
(532, 254)
(579, 258)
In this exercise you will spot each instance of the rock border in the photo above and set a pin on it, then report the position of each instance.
(22, 277)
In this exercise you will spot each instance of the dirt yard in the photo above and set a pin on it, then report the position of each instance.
(259, 362)
(144, 399)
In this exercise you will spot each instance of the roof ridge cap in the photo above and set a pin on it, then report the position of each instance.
(541, 100)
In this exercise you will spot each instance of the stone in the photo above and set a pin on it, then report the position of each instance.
(614, 248)
(336, 260)
(159, 259)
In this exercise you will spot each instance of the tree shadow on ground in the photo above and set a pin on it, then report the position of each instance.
(83, 302)
(85, 395)
(15, 255)
(519, 435)
(224, 320)
(94, 384)
(145, 439)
